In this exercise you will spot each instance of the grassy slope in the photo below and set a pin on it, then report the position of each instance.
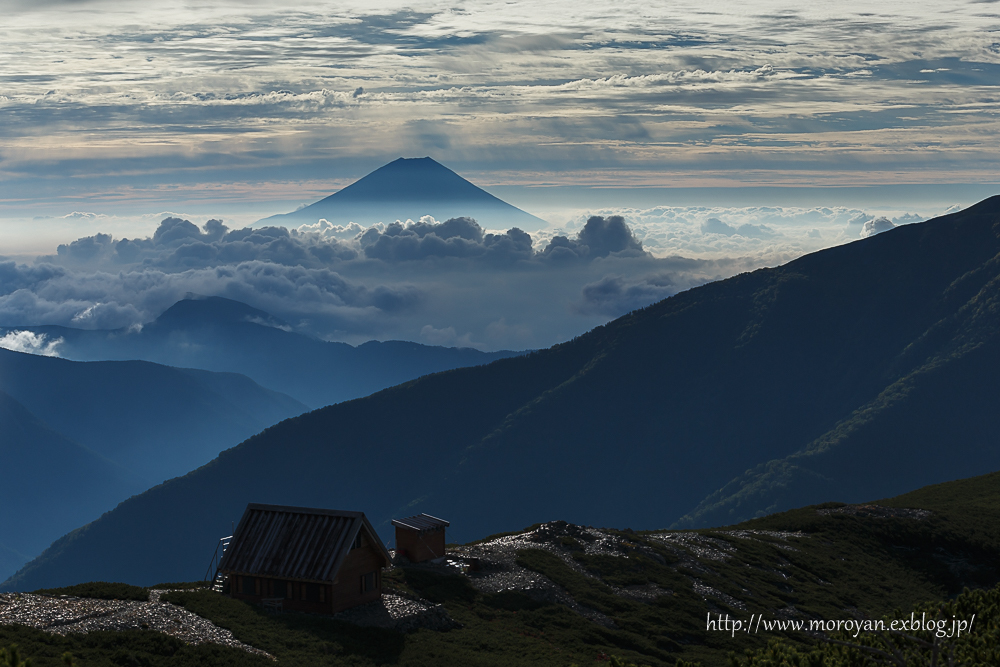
(845, 562)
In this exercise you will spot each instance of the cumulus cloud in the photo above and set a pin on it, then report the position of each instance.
(449, 283)
(179, 244)
(446, 283)
(325, 228)
(31, 343)
(876, 226)
(457, 237)
(907, 218)
(599, 237)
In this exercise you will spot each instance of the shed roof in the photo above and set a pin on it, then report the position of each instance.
(295, 542)
(421, 522)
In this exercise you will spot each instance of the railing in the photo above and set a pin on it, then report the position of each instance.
(212, 574)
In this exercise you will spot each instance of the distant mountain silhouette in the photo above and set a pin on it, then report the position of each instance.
(409, 188)
(195, 310)
(859, 371)
(50, 485)
(218, 334)
(154, 421)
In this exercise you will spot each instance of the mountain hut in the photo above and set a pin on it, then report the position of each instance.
(304, 559)
(420, 537)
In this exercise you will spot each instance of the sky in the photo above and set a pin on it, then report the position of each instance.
(727, 136)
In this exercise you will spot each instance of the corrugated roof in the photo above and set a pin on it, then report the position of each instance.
(421, 522)
(295, 542)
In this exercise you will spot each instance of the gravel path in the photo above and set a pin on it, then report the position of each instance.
(65, 615)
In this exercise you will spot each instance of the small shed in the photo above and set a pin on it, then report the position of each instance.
(304, 559)
(420, 537)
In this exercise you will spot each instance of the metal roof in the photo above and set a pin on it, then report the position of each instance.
(295, 542)
(421, 522)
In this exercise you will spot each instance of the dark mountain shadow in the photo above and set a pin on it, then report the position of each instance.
(868, 366)
(155, 421)
(50, 485)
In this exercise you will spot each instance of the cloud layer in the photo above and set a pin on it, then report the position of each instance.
(213, 100)
(450, 282)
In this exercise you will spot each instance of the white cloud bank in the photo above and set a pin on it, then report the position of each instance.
(446, 282)
(31, 343)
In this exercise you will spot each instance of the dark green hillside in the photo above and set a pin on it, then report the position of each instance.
(827, 562)
(860, 371)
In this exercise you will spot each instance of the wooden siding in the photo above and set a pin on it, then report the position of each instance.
(329, 598)
(419, 546)
(305, 558)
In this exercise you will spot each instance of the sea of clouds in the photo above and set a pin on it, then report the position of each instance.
(440, 282)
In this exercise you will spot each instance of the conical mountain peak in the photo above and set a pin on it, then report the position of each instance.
(409, 188)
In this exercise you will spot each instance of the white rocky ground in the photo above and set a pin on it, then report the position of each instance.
(65, 615)
(399, 612)
(492, 565)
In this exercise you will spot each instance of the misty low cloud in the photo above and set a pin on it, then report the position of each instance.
(616, 295)
(449, 283)
(769, 235)
(716, 226)
(103, 300)
(31, 343)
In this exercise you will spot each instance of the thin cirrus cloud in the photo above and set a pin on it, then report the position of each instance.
(451, 282)
(125, 101)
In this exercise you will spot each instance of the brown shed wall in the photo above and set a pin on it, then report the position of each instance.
(420, 546)
(343, 593)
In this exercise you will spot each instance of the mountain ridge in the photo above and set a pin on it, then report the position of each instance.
(637, 421)
(52, 486)
(223, 335)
